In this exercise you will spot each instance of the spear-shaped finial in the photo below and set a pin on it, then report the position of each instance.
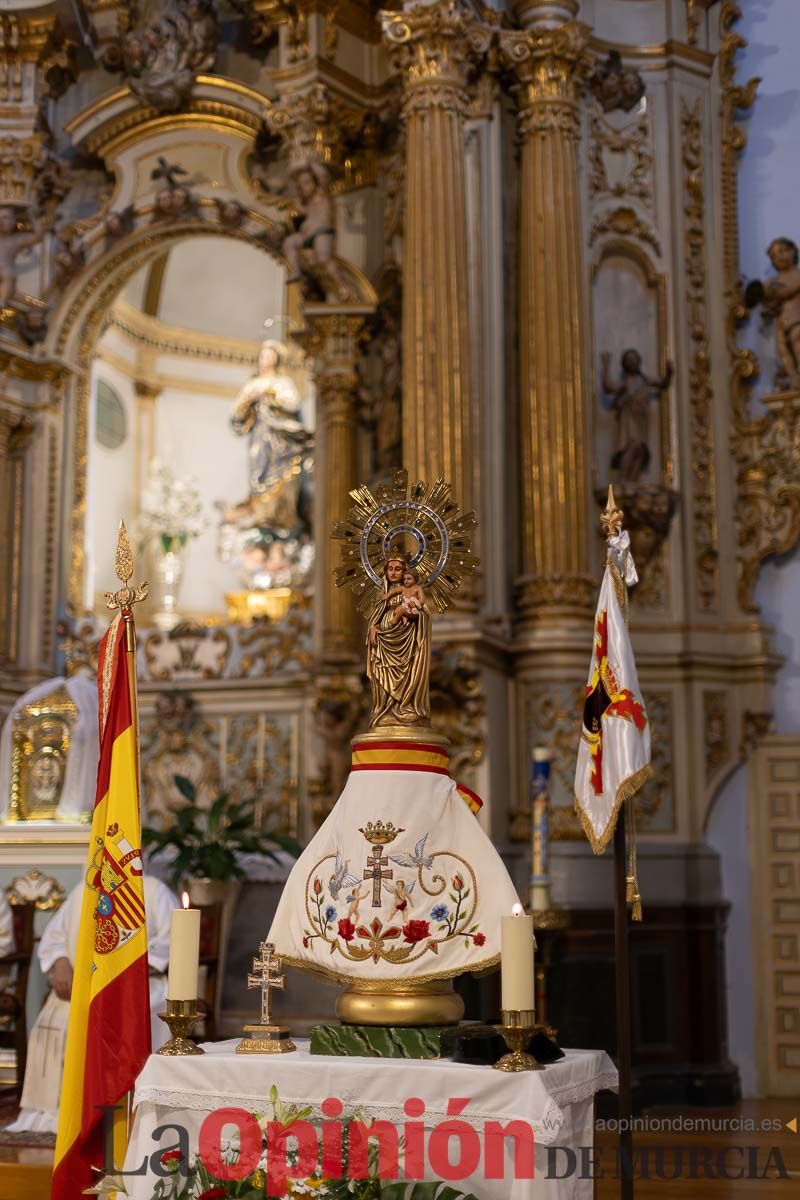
(123, 565)
(611, 516)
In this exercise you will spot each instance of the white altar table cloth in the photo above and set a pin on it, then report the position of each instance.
(558, 1102)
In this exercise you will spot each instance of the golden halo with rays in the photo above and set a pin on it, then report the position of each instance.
(421, 525)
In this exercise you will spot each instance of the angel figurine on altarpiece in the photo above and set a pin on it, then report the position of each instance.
(400, 890)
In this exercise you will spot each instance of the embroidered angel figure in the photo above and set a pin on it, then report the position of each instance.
(402, 895)
(341, 877)
(354, 901)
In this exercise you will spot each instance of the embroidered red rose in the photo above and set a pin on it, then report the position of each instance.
(458, 882)
(215, 1193)
(317, 885)
(347, 929)
(306, 943)
(416, 931)
(479, 938)
(171, 1159)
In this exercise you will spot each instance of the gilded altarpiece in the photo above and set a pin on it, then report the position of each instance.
(585, 184)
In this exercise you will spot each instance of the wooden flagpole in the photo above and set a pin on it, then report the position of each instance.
(623, 979)
(123, 600)
(611, 520)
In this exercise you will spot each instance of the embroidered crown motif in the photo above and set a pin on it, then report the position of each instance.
(379, 834)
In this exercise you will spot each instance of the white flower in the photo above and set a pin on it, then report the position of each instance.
(171, 508)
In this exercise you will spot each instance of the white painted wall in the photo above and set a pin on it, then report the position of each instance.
(769, 184)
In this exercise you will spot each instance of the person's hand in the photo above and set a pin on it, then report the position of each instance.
(61, 976)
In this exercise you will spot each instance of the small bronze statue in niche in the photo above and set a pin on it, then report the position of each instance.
(629, 399)
(779, 298)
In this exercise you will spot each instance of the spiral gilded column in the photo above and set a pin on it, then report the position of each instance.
(435, 47)
(551, 65)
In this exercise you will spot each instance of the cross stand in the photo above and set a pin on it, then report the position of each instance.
(266, 1038)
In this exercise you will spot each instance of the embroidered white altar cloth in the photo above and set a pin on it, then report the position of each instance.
(557, 1103)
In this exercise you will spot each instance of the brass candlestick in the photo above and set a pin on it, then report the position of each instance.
(180, 1016)
(518, 1027)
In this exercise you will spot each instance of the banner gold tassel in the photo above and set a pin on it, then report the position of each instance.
(632, 895)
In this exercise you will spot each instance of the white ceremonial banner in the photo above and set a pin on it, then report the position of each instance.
(614, 750)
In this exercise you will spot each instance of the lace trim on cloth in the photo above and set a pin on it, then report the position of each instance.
(574, 1093)
(545, 1127)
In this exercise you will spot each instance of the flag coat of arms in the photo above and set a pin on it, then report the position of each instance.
(614, 751)
(108, 1039)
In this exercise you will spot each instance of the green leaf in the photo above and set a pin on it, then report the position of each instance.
(185, 787)
(422, 1191)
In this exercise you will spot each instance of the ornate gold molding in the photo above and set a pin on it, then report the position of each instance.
(627, 223)
(149, 331)
(704, 499)
(766, 448)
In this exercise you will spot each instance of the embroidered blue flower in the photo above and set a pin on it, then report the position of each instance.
(330, 913)
(440, 912)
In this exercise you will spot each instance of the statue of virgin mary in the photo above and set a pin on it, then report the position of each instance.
(399, 650)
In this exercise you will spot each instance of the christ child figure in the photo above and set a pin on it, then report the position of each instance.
(413, 599)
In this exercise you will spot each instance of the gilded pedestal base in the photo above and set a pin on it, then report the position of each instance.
(403, 733)
(265, 1039)
(433, 1003)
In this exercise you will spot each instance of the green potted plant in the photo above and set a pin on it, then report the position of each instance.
(204, 844)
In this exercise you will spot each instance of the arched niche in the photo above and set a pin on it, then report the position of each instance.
(211, 142)
(629, 312)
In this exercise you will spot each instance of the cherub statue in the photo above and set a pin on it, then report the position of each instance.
(14, 238)
(117, 224)
(616, 86)
(315, 232)
(162, 58)
(629, 400)
(231, 213)
(779, 298)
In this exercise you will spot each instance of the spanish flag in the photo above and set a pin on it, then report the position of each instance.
(108, 1040)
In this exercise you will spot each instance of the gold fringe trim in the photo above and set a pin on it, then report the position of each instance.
(484, 967)
(628, 788)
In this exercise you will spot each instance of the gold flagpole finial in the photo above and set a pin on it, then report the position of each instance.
(611, 516)
(125, 596)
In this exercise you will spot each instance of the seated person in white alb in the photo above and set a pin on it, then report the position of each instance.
(48, 1038)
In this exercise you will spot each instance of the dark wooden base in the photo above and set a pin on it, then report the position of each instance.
(679, 1023)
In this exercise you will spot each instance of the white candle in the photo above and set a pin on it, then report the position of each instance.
(516, 960)
(184, 952)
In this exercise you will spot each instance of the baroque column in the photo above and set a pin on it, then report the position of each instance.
(333, 339)
(551, 63)
(434, 47)
(15, 435)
